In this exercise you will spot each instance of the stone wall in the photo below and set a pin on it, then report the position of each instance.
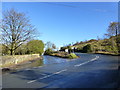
(8, 61)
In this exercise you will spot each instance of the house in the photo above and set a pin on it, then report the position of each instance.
(66, 50)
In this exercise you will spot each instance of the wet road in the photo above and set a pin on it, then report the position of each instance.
(88, 71)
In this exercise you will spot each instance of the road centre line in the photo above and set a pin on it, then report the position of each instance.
(64, 70)
(31, 81)
(48, 75)
(60, 71)
(87, 62)
(43, 74)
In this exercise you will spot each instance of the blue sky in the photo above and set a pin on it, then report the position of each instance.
(66, 22)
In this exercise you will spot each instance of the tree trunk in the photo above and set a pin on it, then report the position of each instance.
(12, 52)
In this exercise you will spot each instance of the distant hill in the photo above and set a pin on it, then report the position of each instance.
(106, 46)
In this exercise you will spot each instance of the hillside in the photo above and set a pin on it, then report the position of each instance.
(106, 46)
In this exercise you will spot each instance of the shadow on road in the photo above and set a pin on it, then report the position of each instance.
(91, 79)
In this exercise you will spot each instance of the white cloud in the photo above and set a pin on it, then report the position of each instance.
(101, 10)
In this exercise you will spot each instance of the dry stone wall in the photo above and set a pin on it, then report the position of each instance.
(7, 61)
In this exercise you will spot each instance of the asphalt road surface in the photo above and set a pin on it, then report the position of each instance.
(88, 71)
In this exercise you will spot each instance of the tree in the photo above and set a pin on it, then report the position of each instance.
(113, 32)
(22, 50)
(63, 48)
(53, 46)
(50, 45)
(87, 48)
(113, 29)
(35, 46)
(16, 29)
(49, 48)
(5, 50)
(48, 51)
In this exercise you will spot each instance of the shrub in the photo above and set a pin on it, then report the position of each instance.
(48, 52)
(79, 49)
(87, 48)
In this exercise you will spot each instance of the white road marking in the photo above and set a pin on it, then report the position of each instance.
(31, 81)
(60, 71)
(87, 61)
(43, 74)
(63, 70)
(48, 75)
(27, 69)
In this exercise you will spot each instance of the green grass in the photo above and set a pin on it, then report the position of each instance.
(72, 56)
(65, 55)
(101, 45)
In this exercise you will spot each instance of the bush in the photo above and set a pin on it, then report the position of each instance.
(87, 48)
(48, 52)
(79, 49)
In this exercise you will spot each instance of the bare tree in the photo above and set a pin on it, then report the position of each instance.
(50, 45)
(16, 29)
(113, 29)
(53, 46)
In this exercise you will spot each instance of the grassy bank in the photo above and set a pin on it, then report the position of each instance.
(107, 53)
(109, 46)
(63, 55)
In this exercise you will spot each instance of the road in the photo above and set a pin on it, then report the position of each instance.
(88, 71)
